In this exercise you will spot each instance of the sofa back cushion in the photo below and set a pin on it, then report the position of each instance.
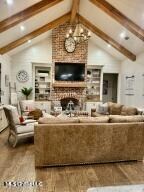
(102, 119)
(125, 119)
(56, 120)
(115, 108)
(129, 110)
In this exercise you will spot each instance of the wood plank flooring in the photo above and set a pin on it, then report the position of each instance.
(17, 164)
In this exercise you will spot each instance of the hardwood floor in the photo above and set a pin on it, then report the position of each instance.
(17, 164)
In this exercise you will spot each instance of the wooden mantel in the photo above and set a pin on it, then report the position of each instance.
(70, 84)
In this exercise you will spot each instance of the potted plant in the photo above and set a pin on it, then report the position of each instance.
(26, 91)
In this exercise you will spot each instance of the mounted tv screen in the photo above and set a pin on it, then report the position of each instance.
(69, 71)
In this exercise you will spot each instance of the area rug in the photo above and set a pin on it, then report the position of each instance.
(123, 188)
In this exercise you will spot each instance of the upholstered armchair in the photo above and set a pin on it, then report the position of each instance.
(16, 129)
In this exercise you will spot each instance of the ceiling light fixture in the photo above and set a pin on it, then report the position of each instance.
(9, 2)
(29, 41)
(122, 35)
(109, 45)
(80, 34)
(22, 28)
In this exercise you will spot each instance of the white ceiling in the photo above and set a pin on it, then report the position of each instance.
(110, 26)
(19, 5)
(134, 9)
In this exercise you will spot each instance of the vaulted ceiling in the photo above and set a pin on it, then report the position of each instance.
(109, 21)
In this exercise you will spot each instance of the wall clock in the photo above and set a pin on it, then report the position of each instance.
(22, 76)
(70, 44)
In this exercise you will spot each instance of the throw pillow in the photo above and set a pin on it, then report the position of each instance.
(129, 110)
(115, 109)
(37, 113)
(102, 108)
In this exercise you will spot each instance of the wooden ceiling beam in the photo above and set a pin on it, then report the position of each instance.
(107, 38)
(26, 14)
(74, 10)
(37, 32)
(120, 17)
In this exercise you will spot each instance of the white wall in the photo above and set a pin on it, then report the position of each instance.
(5, 61)
(136, 68)
(39, 53)
(97, 56)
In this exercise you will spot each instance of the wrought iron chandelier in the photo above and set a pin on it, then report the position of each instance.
(80, 34)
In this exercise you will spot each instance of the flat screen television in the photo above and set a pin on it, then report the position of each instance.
(69, 71)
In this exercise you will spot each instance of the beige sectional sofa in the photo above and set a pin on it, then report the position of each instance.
(89, 140)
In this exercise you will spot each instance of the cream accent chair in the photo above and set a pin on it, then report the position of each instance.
(17, 130)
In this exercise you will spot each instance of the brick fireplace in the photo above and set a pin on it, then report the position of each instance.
(67, 90)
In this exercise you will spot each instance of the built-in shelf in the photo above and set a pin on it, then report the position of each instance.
(42, 83)
(93, 83)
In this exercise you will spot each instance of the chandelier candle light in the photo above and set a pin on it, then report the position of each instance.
(79, 35)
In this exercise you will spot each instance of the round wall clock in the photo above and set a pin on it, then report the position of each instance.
(70, 44)
(22, 76)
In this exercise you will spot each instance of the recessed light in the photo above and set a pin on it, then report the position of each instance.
(29, 41)
(122, 35)
(109, 45)
(22, 28)
(9, 2)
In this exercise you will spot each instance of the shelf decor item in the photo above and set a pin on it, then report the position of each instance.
(26, 91)
(22, 76)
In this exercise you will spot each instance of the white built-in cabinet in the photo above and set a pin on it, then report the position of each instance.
(94, 83)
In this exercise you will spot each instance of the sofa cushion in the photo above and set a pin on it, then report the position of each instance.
(129, 110)
(56, 120)
(103, 119)
(125, 119)
(115, 109)
(25, 128)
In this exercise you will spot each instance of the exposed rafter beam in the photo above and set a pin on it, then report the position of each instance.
(35, 33)
(107, 39)
(26, 14)
(120, 17)
(74, 10)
